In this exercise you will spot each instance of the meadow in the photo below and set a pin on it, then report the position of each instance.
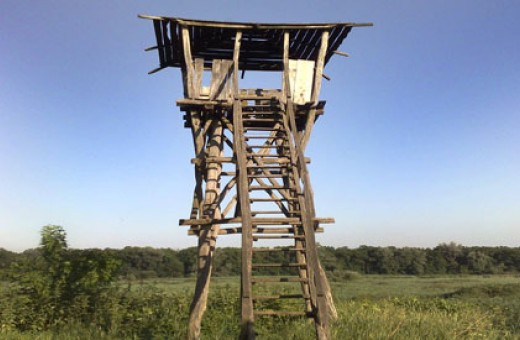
(369, 307)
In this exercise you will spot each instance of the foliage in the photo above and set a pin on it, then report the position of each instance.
(54, 284)
(380, 307)
(147, 262)
(55, 292)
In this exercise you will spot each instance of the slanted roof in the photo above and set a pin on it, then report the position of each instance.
(261, 46)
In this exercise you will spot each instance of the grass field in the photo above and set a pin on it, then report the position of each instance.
(369, 307)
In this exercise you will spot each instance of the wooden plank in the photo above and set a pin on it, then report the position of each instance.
(317, 286)
(231, 204)
(286, 75)
(247, 331)
(208, 235)
(277, 279)
(238, 230)
(254, 221)
(280, 296)
(278, 249)
(213, 169)
(277, 265)
(197, 82)
(319, 67)
(251, 26)
(280, 313)
(203, 160)
(204, 103)
(198, 144)
(188, 61)
(344, 54)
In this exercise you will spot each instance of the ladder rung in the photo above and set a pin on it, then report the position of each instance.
(265, 250)
(273, 105)
(278, 199)
(272, 187)
(266, 137)
(281, 313)
(261, 120)
(256, 96)
(271, 175)
(270, 112)
(273, 237)
(281, 296)
(273, 212)
(273, 230)
(259, 279)
(262, 128)
(228, 173)
(265, 146)
(261, 155)
(254, 166)
(277, 265)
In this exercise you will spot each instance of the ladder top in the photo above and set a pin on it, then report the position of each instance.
(262, 41)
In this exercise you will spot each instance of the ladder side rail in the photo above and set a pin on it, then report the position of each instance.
(308, 288)
(243, 201)
(321, 312)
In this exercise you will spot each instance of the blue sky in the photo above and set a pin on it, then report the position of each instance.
(419, 145)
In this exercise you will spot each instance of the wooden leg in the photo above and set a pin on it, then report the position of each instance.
(207, 244)
(208, 235)
(333, 313)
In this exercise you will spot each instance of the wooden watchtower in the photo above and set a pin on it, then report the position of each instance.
(251, 174)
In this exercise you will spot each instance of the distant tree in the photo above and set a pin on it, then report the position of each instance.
(480, 263)
(435, 262)
(453, 254)
(412, 261)
(188, 257)
(328, 259)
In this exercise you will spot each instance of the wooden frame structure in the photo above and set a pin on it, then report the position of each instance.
(251, 175)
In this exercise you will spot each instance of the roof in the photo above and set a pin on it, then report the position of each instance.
(261, 46)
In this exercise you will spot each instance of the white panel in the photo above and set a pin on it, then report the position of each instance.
(301, 74)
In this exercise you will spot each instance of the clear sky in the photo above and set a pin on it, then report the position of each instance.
(420, 142)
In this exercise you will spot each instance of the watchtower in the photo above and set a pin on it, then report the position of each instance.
(251, 175)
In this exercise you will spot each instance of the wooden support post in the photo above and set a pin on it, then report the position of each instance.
(317, 285)
(243, 202)
(198, 74)
(311, 117)
(198, 143)
(188, 63)
(307, 288)
(208, 234)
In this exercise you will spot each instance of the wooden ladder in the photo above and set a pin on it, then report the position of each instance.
(270, 166)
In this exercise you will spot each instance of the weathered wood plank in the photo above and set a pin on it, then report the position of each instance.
(188, 61)
(208, 235)
(238, 230)
(254, 221)
(317, 285)
(197, 82)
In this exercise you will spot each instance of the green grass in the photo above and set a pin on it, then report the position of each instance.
(369, 307)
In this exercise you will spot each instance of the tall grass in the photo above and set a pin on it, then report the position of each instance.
(159, 310)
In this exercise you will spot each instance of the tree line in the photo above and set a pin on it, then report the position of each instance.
(148, 262)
